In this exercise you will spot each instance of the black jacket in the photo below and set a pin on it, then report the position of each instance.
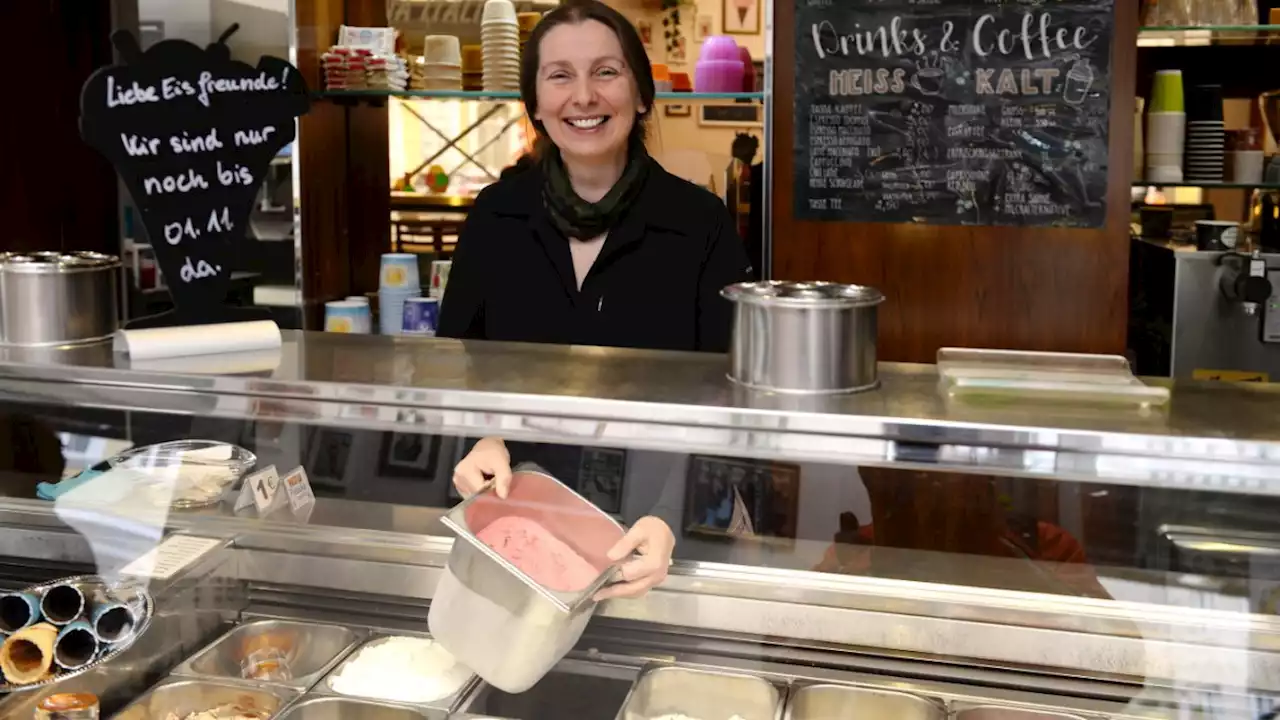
(655, 285)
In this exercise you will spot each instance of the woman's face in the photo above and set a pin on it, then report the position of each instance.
(587, 98)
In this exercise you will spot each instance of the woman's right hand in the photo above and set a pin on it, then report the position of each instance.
(487, 461)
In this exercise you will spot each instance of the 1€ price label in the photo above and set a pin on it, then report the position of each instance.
(259, 490)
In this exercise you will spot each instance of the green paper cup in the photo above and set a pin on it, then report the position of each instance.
(1166, 93)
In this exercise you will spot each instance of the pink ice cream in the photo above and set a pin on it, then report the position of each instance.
(539, 554)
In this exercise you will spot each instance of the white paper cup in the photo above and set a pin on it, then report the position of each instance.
(1166, 133)
(442, 49)
(1157, 174)
(498, 10)
(1246, 166)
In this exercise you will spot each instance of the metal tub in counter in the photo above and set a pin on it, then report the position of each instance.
(277, 652)
(573, 689)
(704, 694)
(432, 688)
(183, 697)
(336, 708)
(1009, 712)
(844, 702)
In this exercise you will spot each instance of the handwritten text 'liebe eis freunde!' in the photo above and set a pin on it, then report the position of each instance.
(202, 89)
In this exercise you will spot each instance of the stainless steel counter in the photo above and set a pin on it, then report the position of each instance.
(1211, 436)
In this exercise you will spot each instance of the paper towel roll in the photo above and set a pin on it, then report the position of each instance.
(197, 340)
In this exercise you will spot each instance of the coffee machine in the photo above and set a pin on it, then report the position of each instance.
(1264, 205)
(1204, 315)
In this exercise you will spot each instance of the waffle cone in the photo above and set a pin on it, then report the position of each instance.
(27, 655)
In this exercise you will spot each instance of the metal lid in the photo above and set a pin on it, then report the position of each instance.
(48, 262)
(803, 294)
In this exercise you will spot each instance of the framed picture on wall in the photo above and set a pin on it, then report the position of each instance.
(737, 115)
(645, 29)
(742, 17)
(330, 452)
(408, 455)
(729, 497)
(703, 28)
(601, 473)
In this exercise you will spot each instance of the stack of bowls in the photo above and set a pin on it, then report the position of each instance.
(1206, 143)
(472, 67)
(500, 46)
(719, 67)
(441, 66)
(397, 282)
(526, 22)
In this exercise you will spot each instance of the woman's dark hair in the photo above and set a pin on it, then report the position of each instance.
(575, 12)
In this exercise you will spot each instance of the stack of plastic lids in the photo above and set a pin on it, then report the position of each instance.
(500, 43)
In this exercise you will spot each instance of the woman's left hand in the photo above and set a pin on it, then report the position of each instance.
(654, 541)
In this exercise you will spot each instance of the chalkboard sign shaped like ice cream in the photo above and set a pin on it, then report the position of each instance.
(192, 133)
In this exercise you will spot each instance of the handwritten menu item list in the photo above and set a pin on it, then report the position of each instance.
(192, 133)
(953, 112)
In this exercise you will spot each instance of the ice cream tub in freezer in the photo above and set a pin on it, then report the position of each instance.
(277, 652)
(404, 668)
(512, 621)
(676, 691)
(1009, 712)
(183, 697)
(846, 702)
(335, 708)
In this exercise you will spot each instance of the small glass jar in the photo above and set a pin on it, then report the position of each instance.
(68, 706)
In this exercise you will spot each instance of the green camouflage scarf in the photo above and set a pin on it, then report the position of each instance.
(582, 220)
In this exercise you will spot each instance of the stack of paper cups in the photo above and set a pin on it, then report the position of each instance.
(398, 281)
(1166, 128)
(348, 316)
(500, 44)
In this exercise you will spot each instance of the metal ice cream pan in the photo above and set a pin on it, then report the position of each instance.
(1010, 712)
(335, 708)
(845, 702)
(184, 697)
(701, 693)
(493, 617)
(445, 704)
(310, 650)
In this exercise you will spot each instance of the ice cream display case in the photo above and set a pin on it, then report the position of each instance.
(895, 553)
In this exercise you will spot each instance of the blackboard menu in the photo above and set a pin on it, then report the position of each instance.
(953, 112)
(192, 132)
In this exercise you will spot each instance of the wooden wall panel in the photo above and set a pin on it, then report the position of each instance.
(1035, 288)
(345, 185)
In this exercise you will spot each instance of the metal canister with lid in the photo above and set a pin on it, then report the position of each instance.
(804, 337)
(50, 298)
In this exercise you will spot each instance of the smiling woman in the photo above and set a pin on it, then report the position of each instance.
(591, 241)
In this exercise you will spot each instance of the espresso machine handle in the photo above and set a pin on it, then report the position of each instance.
(1244, 280)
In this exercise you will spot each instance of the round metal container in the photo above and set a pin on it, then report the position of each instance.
(49, 299)
(810, 337)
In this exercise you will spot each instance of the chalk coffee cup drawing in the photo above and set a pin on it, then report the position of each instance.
(1217, 235)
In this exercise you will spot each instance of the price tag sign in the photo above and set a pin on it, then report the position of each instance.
(259, 490)
(298, 488)
(170, 557)
(192, 134)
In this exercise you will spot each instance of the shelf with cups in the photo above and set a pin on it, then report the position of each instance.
(501, 95)
(1197, 36)
(1204, 185)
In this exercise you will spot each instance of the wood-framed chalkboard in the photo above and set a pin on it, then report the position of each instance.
(952, 112)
